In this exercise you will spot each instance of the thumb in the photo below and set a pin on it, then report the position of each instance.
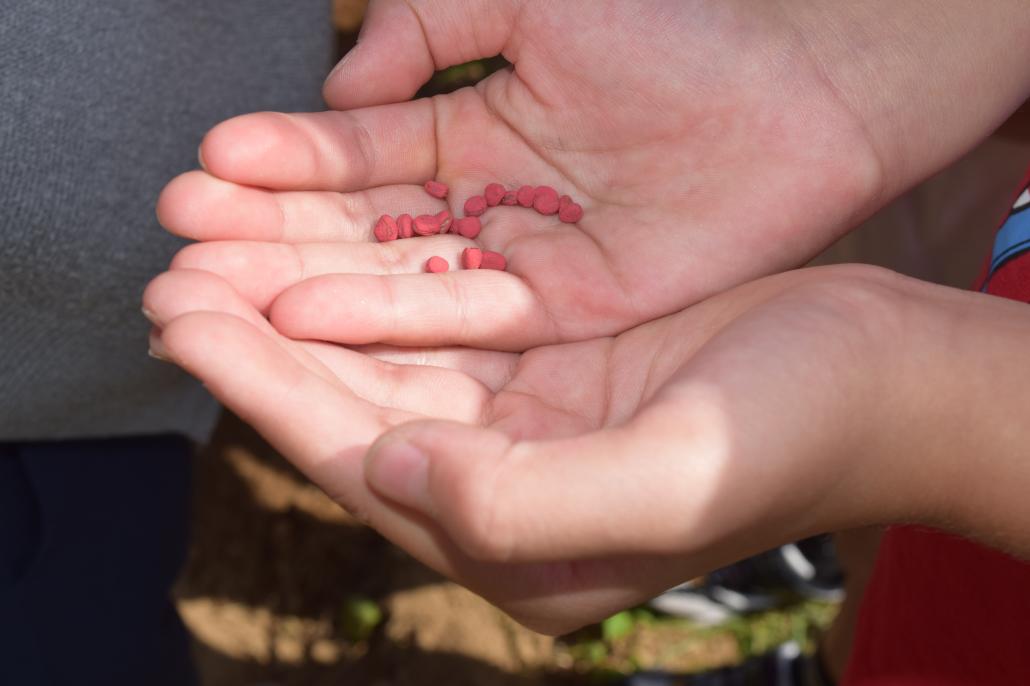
(402, 42)
(622, 490)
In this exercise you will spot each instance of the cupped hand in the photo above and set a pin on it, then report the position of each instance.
(702, 139)
(576, 479)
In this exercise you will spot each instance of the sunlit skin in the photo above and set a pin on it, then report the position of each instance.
(576, 479)
(604, 442)
(689, 185)
(709, 143)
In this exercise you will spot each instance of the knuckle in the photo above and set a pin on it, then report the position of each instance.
(392, 258)
(464, 313)
(361, 148)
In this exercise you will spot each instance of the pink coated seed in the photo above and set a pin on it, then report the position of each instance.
(545, 200)
(444, 218)
(494, 193)
(493, 260)
(426, 225)
(437, 189)
(510, 198)
(405, 228)
(475, 206)
(570, 213)
(524, 196)
(468, 227)
(437, 265)
(386, 229)
(471, 258)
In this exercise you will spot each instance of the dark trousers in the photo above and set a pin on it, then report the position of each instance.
(92, 536)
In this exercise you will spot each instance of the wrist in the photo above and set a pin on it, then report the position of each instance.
(952, 455)
(876, 394)
(927, 81)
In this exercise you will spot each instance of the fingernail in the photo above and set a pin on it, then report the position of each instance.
(400, 472)
(200, 157)
(157, 349)
(151, 317)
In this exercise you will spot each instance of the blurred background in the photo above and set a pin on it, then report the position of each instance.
(284, 588)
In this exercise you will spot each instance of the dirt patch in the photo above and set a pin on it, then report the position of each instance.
(274, 563)
(275, 567)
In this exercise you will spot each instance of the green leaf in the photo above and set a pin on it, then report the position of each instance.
(359, 617)
(617, 626)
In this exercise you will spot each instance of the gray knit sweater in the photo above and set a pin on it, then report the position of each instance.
(101, 103)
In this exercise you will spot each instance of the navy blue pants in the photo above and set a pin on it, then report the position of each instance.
(92, 537)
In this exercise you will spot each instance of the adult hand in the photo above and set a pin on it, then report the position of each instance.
(576, 479)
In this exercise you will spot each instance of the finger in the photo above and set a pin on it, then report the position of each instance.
(491, 368)
(322, 427)
(582, 497)
(402, 43)
(427, 383)
(332, 151)
(260, 272)
(477, 308)
(202, 207)
(423, 390)
(176, 293)
(173, 294)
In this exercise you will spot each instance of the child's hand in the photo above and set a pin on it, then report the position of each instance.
(701, 138)
(576, 479)
(710, 143)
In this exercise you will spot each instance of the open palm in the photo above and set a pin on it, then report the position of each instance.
(574, 479)
(701, 139)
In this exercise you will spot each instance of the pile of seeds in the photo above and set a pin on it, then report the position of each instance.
(543, 199)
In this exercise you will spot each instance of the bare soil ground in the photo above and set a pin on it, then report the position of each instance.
(274, 564)
(269, 590)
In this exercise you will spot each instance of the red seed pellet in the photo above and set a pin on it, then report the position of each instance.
(405, 226)
(385, 229)
(510, 198)
(444, 218)
(475, 206)
(524, 196)
(426, 225)
(568, 211)
(437, 189)
(437, 265)
(493, 260)
(467, 227)
(471, 258)
(494, 193)
(545, 200)
(571, 214)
